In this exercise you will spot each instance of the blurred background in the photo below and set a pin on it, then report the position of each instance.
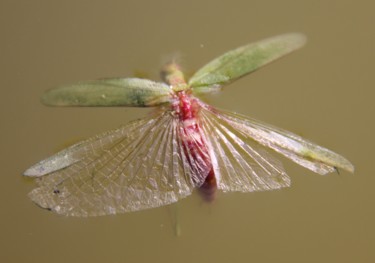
(323, 92)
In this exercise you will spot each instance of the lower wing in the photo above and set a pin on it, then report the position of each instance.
(238, 146)
(140, 165)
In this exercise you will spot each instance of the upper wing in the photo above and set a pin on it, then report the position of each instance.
(138, 166)
(243, 60)
(292, 146)
(109, 92)
(240, 163)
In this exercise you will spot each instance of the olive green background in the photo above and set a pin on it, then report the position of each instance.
(324, 92)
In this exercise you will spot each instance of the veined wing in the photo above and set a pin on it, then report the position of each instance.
(131, 92)
(140, 165)
(292, 146)
(243, 60)
(240, 163)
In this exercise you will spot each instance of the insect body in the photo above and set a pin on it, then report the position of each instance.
(194, 143)
(187, 144)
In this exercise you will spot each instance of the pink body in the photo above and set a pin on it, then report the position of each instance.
(194, 142)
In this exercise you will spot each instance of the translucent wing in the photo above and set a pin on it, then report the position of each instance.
(292, 146)
(138, 166)
(243, 60)
(240, 163)
(109, 92)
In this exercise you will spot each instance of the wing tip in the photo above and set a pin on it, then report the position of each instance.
(347, 166)
(51, 98)
(340, 162)
(295, 39)
(32, 172)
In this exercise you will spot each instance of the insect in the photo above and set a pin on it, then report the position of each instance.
(184, 145)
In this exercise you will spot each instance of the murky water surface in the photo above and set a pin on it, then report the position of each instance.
(323, 92)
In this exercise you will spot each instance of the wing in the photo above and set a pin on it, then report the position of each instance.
(140, 165)
(131, 92)
(240, 163)
(292, 146)
(243, 60)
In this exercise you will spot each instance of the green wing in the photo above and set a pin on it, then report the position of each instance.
(243, 60)
(109, 92)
